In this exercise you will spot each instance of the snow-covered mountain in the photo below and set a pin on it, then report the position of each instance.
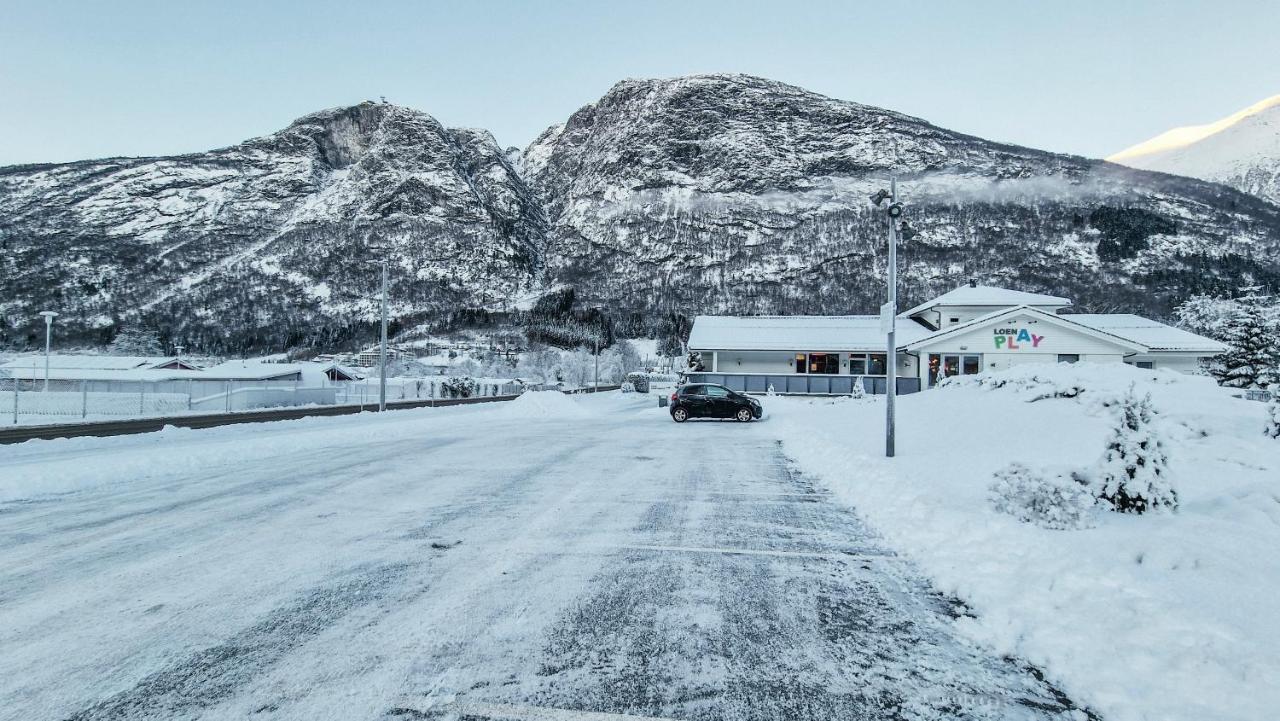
(716, 193)
(731, 193)
(270, 243)
(1241, 150)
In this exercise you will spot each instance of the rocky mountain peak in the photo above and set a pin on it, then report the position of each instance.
(701, 194)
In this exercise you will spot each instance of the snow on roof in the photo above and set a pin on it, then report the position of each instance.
(91, 362)
(982, 295)
(1153, 334)
(796, 333)
(26, 372)
(251, 370)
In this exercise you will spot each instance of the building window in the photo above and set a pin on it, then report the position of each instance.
(1068, 357)
(857, 364)
(945, 365)
(955, 320)
(1145, 364)
(821, 363)
(867, 364)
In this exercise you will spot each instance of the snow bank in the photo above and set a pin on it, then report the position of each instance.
(543, 404)
(1168, 615)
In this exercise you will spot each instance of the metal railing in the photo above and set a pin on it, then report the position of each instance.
(28, 402)
(802, 384)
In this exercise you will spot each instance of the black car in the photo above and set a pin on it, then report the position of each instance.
(708, 400)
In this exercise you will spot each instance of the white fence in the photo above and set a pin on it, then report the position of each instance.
(27, 402)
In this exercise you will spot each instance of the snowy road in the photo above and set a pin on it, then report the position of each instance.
(467, 563)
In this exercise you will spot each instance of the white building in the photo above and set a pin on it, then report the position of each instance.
(968, 330)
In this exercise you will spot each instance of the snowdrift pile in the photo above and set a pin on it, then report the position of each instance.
(543, 404)
(1165, 615)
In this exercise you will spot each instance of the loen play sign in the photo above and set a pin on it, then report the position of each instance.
(1016, 339)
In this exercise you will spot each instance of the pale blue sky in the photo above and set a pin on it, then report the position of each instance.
(133, 77)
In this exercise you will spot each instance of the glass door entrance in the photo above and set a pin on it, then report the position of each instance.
(945, 365)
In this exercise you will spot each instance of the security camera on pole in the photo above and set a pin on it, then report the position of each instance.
(889, 312)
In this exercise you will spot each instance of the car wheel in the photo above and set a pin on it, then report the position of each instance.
(679, 415)
(744, 414)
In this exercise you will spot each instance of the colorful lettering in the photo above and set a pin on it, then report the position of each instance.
(1024, 335)
(1035, 340)
(999, 341)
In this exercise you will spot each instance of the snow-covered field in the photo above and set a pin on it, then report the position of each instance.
(1168, 616)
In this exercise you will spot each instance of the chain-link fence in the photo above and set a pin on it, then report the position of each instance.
(30, 402)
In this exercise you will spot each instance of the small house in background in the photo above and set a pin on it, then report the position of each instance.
(966, 331)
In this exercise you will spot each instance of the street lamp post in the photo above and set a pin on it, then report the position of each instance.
(889, 313)
(48, 336)
(382, 349)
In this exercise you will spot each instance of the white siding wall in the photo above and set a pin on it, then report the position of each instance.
(1056, 340)
(1171, 361)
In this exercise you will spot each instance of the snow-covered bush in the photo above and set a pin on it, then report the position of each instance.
(1273, 415)
(459, 387)
(639, 382)
(858, 391)
(627, 387)
(1055, 499)
(1134, 472)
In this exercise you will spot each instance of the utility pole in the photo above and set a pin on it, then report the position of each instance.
(889, 315)
(597, 315)
(48, 335)
(382, 350)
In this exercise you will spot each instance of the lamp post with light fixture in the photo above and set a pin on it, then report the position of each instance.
(48, 336)
(889, 312)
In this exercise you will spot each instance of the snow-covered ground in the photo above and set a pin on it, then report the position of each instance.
(495, 561)
(1168, 616)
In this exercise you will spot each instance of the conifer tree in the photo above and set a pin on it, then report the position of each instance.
(1253, 334)
(1134, 476)
(136, 341)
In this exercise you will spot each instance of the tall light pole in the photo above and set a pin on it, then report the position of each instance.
(48, 336)
(382, 349)
(889, 314)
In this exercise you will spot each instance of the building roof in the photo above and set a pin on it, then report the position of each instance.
(1155, 335)
(986, 295)
(91, 362)
(250, 370)
(26, 372)
(796, 333)
(997, 315)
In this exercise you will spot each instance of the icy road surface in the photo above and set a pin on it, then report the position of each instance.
(468, 563)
